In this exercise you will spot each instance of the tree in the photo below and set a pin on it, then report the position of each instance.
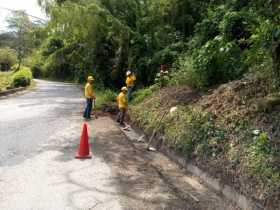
(7, 58)
(20, 24)
(7, 39)
(270, 11)
(92, 36)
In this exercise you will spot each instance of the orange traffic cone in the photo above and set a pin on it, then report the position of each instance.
(84, 150)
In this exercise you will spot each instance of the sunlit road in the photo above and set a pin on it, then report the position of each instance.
(39, 136)
(39, 133)
(30, 119)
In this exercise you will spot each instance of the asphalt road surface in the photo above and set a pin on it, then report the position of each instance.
(39, 136)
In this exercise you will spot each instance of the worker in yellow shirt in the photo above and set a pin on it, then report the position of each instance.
(89, 97)
(130, 83)
(123, 106)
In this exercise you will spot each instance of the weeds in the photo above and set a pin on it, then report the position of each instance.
(217, 138)
(259, 156)
(22, 78)
(5, 80)
(104, 97)
(140, 95)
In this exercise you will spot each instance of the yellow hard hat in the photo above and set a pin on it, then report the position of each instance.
(90, 78)
(124, 88)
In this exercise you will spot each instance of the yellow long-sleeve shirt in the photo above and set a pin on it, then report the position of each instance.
(122, 102)
(89, 91)
(130, 80)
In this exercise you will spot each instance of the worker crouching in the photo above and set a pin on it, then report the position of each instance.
(123, 106)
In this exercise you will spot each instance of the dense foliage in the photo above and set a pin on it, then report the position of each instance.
(5, 80)
(22, 78)
(230, 132)
(7, 58)
(23, 37)
(206, 42)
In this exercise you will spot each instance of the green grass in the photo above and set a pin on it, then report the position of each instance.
(22, 78)
(5, 80)
(104, 97)
(142, 94)
(196, 134)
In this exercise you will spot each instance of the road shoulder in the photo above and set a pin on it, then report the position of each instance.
(151, 180)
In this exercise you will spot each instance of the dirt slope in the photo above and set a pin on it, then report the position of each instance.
(228, 115)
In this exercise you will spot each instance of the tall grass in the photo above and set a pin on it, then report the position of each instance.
(5, 80)
(104, 97)
(22, 78)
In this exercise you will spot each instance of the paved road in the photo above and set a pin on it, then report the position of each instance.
(27, 120)
(39, 135)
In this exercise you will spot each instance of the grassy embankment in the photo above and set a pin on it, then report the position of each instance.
(11, 79)
(104, 97)
(215, 130)
(5, 80)
(232, 131)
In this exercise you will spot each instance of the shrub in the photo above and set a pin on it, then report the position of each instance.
(208, 28)
(35, 62)
(5, 80)
(7, 58)
(142, 94)
(217, 62)
(193, 133)
(260, 155)
(52, 45)
(22, 78)
(36, 71)
(183, 72)
(57, 67)
(162, 78)
(104, 97)
(14, 67)
(237, 25)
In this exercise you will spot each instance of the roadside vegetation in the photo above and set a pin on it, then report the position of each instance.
(22, 78)
(5, 80)
(215, 62)
(232, 131)
(104, 97)
(17, 47)
(12, 79)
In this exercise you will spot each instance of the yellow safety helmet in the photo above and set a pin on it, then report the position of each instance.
(90, 78)
(128, 73)
(124, 89)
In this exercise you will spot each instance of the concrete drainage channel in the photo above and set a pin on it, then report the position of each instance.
(11, 91)
(228, 192)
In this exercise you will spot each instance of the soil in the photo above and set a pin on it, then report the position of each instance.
(174, 96)
(147, 180)
(248, 100)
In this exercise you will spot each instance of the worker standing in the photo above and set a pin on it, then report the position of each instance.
(123, 106)
(130, 83)
(89, 97)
